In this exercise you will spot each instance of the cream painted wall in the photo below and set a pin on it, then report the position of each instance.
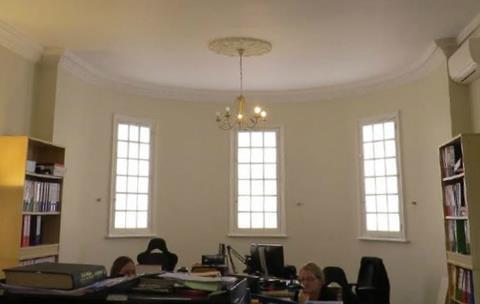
(16, 93)
(192, 162)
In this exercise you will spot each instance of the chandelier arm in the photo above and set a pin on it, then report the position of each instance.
(240, 54)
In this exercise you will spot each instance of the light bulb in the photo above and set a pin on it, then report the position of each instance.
(263, 114)
(240, 116)
(227, 109)
(257, 110)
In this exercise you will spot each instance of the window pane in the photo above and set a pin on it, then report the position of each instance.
(392, 184)
(131, 219)
(370, 204)
(393, 203)
(369, 169)
(270, 155)
(391, 166)
(257, 139)
(243, 171)
(120, 219)
(121, 166)
(379, 151)
(389, 148)
(382, 203)
(122, 132)
(367, 132)
(144, 151)
(243, 155)
(270, 139)
(133, 134)
(382, 222)
(143, 185)
(377, 131)
(145, 134)
(132, 150)
(143, 168)
(243, 220)
(122, 149)
(142, 203)
(257, 220)
(121, 184)
(380, 185)
(120, 201)
(271, 220)
(257, 187)
(368, 151)
(270, 203)
(379, 167)
(369, 186)
(243, 139)
(132, 184)
(132, 167)
(257, 203)
(257, 171)
(131, 202)
(244, 203)
(371, 221)
(244, 187)
(270, 187)
(271, 171)
(394, 222)
(389, 129)
(257, 155)
(142, 220)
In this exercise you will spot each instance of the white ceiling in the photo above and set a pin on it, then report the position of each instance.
(316, 43)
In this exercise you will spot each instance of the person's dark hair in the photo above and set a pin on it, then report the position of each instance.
(118, 265)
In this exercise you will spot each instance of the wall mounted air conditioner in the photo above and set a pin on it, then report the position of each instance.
(464, 64)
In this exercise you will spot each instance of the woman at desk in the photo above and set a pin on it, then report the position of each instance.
(313, 282)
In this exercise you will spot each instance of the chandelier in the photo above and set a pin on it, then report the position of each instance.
(241, 47)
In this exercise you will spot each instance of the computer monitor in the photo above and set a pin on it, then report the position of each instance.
(267, 259)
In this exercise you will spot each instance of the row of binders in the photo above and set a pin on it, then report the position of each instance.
(41, 196)
(46, 259)
(31, 230)
(461, 288)
(454, 200)
(458, 236)
(452, 164)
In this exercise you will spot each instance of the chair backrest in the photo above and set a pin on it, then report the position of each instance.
(334, 274)
(373, 285)
(165, 258)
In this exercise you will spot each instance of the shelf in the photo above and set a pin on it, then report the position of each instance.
(456, 217)
(47, 176)
(40, 213)
(453, 177)
(458, 259)
(32, 252)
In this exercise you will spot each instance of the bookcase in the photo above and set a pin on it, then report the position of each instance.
(460, 171)
(30, 201)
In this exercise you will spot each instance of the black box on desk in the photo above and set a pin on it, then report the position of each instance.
(213, 259)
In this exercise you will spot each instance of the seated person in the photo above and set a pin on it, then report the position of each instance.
(123, 266)
(312, 280)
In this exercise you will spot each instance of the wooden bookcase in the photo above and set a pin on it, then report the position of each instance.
(460, 171)
(16, 183)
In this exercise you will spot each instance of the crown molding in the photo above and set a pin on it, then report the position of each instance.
(468, 30)
(18, 43)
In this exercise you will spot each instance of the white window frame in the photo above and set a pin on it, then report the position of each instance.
(133, 232)
(399, 236)
(280, 231)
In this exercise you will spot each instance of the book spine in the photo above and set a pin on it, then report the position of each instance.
(87, 277)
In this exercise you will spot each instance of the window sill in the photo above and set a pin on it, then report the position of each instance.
(383, 239)
(240, 235)
(119, 236)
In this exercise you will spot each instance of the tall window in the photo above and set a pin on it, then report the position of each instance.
(131, 177)
(258, 207)
(382, 208)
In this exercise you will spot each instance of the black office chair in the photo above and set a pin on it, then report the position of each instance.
(373, 286)
(166, 259)
(334, 274)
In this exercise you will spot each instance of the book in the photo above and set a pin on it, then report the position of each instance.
(62, 276)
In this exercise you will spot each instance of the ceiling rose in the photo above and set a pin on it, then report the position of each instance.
(229, 46)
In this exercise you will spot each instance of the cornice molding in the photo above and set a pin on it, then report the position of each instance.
(18, 43)
(471, 27)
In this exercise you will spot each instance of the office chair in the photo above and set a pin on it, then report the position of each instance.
(164, 258)
(335, 274)
(372, 285)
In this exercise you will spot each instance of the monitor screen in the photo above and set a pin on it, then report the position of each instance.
(267, 259)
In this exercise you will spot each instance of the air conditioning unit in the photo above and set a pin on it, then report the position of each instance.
(464, 64)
